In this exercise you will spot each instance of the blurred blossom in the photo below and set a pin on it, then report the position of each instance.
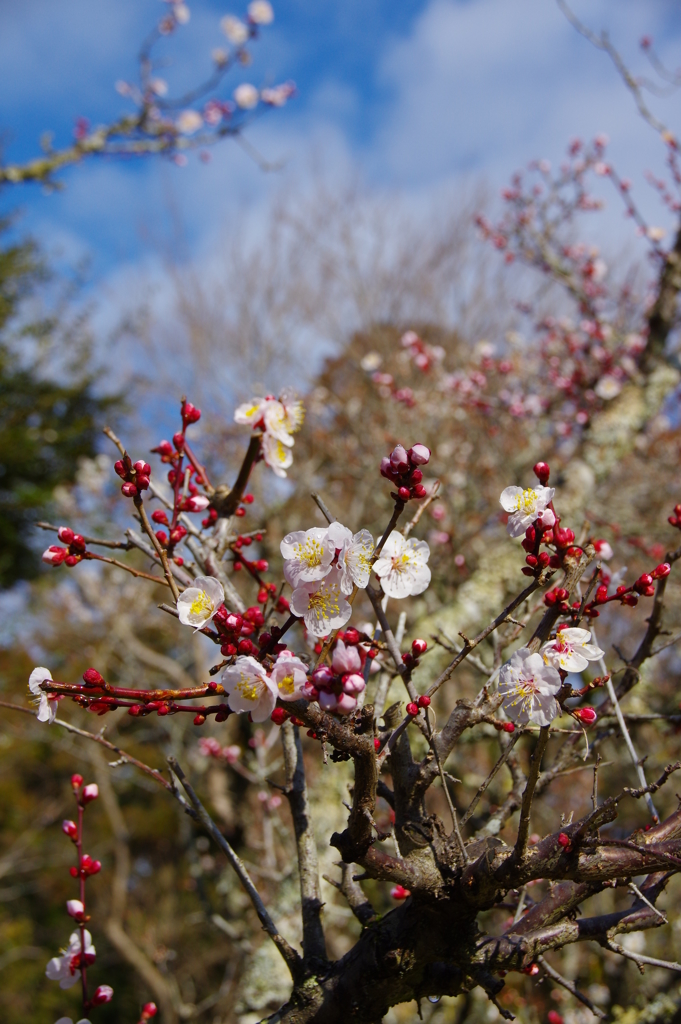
(182, 13)
(235, 30)
(219, 56)
(656, 234)
(260, 12)
(371, 362)
(158, 86)
(608, 387)
(278, 96)
(188, 122)
(246, 96)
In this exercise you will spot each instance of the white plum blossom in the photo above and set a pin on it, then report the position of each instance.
(354, 556)
(525, 505)
(246, 96)
(308, 555)
(321, 604)
(235, 30)
(188, 122)
(276, 455)
(260, 12)
(289, 676)
(572, 650)
(282, 418)
(278, 419)
(528, 687)
(277, 95)
(249, 688)
(402, 567)
(47, 709)
(63, 968)
(198, 604)
(182, 13)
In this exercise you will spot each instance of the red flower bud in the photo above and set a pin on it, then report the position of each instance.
(190, 414)
(416, 476)
(508, 727)
(142, 467)
(120, 468)
(404, 493)
(419, 491)
(542, 472)
(424, 701)
(412, 709)
(129, 490)
(587, 716)
(279, 716)
(178, 441)
(352, 636)
(601, 594)
(164, 449)
(660, 572)
(199, 719)
(76, 781)
(398, 892)
(247, 647)
(149, 1010)
(71, 560)
(159, 516)
(65, 534)
(553, 1017)
(241, 511)
(262, 565)
(91, 677)
(54, 555)
(142, 481)
(90, 792)
(419, 647)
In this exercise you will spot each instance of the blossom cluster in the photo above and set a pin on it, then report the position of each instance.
(278, 419)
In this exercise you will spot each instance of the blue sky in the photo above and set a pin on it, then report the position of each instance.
(415, 96)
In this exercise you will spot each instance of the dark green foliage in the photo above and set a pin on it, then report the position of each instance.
(49, 414)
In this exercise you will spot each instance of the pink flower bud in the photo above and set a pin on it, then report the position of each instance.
(103, 994)
(198, 503)
(327, 701)
(587, 716)
(129, 490)
(354, 684)
(90, 792)
(603, 549)
(310, 692)
(75, 909)
(54, 555)
(386, 468)
(65, 534)
(547, 518)
(322, 676)
(419, 455)
(345, 703)
(70, 829)
(399, 459)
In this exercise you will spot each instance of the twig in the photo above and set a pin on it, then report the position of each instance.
(502, 761)
(314, 944)
(125, 545)
(570, 986)
(97, 738)
(322, 507)
(625, 732)
(640, 959)
(423, 505)
(290, 956)
(357, 901)
(470, 645)
(635, 889)
(524, 823)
